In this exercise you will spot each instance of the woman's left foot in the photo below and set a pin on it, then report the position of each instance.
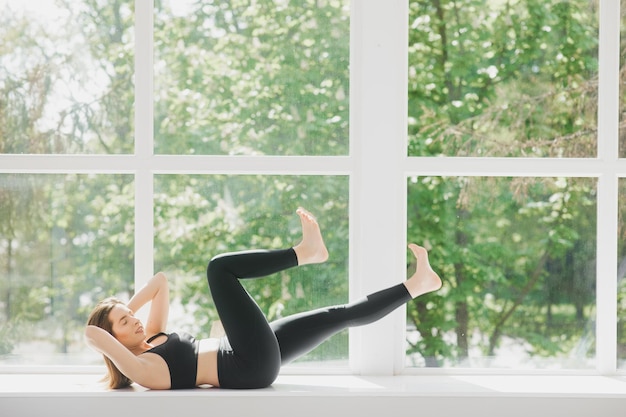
(424, 280)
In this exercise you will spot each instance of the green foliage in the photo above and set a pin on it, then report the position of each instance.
(502, 257)
(514, 78)
(72, 99)
(81, 235)
(252, 78)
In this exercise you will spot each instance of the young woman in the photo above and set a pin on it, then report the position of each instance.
(252, 351)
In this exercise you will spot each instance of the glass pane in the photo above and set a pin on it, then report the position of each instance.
(66, 241)
(66, 72)
(239, 78)
(517, 257)
(622, 83)
(621, 278)
(198, 217)
(503, 78)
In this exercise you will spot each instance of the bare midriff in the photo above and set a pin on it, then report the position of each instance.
(207, 362)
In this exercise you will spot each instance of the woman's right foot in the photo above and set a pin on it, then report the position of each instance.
(311, 250)
(424, 280)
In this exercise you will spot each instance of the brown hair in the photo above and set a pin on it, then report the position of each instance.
(100, 317)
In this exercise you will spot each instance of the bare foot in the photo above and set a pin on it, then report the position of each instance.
(312, 249)
(424, 280)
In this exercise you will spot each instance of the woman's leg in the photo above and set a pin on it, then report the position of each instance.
(300, 333)
(250, 356)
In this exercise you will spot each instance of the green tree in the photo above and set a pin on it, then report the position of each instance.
(514, 78)
(502, 256)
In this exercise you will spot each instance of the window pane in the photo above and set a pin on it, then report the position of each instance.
(621, 281)
(495, 78)
(517, 257)
(198, 217)
(268, 77)
(622, 81)
(66, 241)
(66, 77)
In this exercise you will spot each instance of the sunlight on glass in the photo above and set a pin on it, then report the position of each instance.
(65, 73)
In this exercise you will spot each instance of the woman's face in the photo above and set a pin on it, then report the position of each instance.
(126, 327)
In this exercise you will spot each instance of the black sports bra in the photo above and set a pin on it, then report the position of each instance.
(180, 352)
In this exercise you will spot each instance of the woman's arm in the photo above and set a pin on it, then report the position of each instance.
(130, 365)
(156, 291)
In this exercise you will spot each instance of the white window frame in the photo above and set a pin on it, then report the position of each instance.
(378, 168)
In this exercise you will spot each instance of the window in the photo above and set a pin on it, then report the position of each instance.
(67, 82)
(198, 216)
(503, 79)
(67, 243)
(267, 78)
(518, 257)
(514, 80)
(228, 84)
(150, 135)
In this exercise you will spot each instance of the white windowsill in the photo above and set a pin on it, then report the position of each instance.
(35, 385)
(315, 395)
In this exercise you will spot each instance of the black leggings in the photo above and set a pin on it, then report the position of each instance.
(253, 350)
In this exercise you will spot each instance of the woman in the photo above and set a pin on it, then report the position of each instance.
(253, 350)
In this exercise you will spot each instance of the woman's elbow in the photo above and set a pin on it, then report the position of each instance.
(88, 337)
(91, 335)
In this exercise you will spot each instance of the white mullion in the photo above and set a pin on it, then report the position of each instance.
(378, 125)
(354, 340)
(177, 164)
(517, 167)
(307, 165)
(399, 349)
(143, 158)
(608, 152)
(606, 275)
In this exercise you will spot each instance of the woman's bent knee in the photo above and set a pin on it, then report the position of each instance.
(216, 267)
